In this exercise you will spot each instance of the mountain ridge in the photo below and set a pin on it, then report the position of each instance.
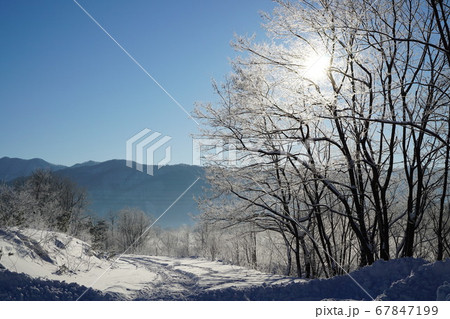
(112, 185)
(12, 168)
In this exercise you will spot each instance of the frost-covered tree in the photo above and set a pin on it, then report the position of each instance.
(43, 201)
(131, 229)
(58, 201)
(337, 129)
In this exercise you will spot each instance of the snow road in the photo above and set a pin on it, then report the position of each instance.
(56, 256)
(181, 278)
(44, 265)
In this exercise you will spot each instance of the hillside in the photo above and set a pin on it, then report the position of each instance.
(33, 258)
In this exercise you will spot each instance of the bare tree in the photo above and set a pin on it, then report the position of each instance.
(358, 138)
(132, 229)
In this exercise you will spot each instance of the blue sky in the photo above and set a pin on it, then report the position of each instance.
(69, 94)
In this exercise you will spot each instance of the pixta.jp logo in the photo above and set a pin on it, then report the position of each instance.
(142, 149)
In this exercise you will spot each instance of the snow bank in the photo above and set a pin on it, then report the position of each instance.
(443, 292)
(400, 279)
(57, 256)
(41, 253)
(14, 286)
(422, 284)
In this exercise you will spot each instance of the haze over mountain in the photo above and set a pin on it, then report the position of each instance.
(13, 168)
(111, 186)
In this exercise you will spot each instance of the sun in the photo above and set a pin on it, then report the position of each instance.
(316, 67)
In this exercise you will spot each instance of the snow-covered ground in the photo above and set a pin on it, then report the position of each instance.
(56, 256)
(43, 265)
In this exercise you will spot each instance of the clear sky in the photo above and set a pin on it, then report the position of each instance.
(69, 94)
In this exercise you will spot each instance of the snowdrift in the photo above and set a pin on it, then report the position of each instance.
(21, 287)
(405, 279)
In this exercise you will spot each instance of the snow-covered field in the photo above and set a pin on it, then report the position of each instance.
(41, 265)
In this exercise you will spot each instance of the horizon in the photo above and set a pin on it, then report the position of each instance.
(92, 161)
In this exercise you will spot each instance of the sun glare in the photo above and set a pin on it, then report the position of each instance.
(316, 67)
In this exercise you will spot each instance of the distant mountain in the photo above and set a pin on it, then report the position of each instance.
(13, 168)
(88, 163)
(111, 186)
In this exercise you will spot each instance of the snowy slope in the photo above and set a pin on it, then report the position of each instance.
(71, 263)
(56, 256)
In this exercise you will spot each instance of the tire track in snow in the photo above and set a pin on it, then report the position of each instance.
(170, 283)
